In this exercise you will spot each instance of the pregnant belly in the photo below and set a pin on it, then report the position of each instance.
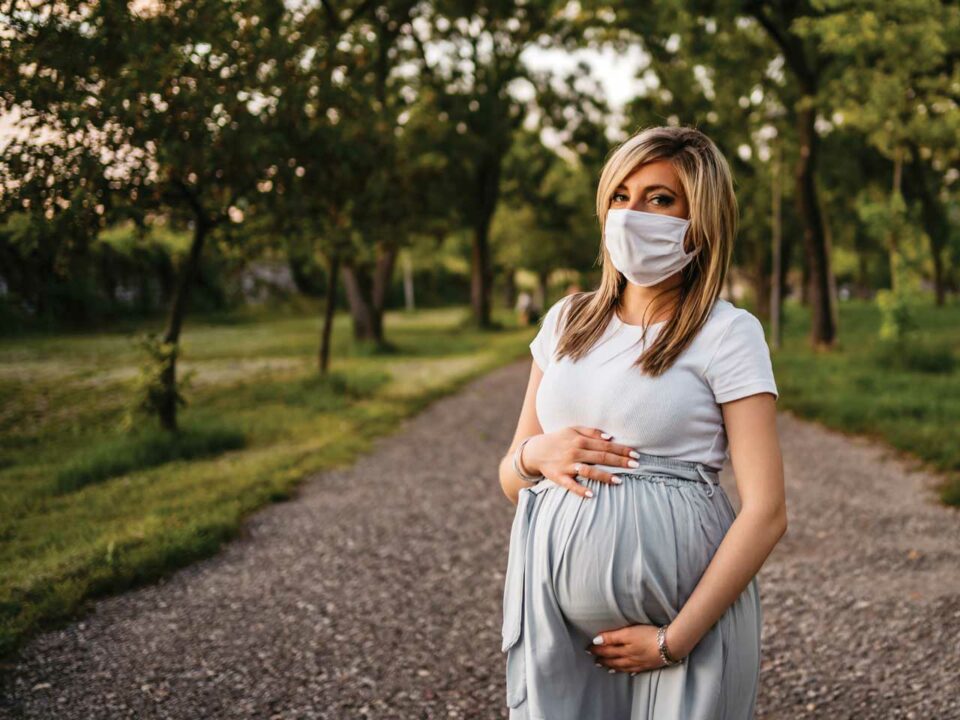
(633, 553)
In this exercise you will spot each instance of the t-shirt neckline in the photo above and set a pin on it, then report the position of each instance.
(636, 328)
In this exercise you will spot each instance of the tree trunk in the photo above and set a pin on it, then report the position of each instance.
(481, 274)
(328, 312)
(358, 286)
(863, 280)
(408, 287)
(816, 284)
(939, 287)
(831, 277)
(383, 273)
(896, 262)
(543, 290)
(761, 286)
(170, 397)
(786, 260)
(366, 293)
(509, 288)
(776, 225)
(934, 220)
(805, 283)
(822, 327)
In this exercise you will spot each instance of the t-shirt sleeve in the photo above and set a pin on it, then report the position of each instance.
(741, 364)
(545, 341)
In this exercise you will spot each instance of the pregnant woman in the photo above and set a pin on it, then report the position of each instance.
(631, 589)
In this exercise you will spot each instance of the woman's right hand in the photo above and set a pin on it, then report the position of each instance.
(555, 455)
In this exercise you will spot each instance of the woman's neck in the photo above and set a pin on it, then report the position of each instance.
(635, 302)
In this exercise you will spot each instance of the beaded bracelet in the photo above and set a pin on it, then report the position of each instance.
(662, 644)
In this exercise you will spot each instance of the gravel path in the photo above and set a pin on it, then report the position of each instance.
(376, 593)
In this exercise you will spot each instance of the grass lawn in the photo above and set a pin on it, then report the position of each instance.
(255, 383)
(847, 389)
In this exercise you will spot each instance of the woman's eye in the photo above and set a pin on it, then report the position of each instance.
(667, 198)
(619, 195)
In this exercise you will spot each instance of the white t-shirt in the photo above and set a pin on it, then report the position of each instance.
(677, 414)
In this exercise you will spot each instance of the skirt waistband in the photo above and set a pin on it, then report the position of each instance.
(682, 469)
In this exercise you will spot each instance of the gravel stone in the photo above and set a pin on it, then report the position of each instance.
(376, 592)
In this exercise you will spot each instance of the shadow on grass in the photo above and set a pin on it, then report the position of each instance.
(321, 393)
(144, 448)
(150, 446)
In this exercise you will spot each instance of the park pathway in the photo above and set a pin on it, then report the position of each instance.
(375, 593)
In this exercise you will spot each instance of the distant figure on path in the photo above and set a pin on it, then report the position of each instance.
(631, 589)
(527, 312)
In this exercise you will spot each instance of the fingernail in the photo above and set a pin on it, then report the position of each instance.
(634, 453)
(632, 674)
(598, 664)
(589, 493)
(617, 479)
(612, 670)
(598, 640)
(633, 463)
(588, 652)
(605, 435)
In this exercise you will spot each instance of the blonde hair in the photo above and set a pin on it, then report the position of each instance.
(708, 185)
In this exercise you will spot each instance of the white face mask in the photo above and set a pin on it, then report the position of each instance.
(646, 247)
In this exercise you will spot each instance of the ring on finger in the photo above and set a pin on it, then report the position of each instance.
(576, 469)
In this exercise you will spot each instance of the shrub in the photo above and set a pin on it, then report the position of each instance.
(919, 353)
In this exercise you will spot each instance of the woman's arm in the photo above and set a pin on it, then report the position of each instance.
(759, 525)
(527, 425)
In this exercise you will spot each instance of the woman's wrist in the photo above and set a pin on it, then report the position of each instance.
(520, 468)
(677, 647)
(523, 458)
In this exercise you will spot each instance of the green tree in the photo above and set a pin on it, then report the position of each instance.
(546, 221)
(368, 175)
(470, 57)
(899, 70)
(176, 103)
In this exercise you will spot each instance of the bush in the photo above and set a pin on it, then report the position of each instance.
(919, 353)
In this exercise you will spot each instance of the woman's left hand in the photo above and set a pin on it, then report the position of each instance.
(630, 649)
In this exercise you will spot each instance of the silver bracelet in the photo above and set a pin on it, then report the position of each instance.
(516, 464)
(662, 644)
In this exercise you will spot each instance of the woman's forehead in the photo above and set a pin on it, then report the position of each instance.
(656, 175)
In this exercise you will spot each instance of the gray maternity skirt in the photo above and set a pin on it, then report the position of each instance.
(631, 554)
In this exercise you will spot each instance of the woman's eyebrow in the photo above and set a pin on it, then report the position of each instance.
(648, 188)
